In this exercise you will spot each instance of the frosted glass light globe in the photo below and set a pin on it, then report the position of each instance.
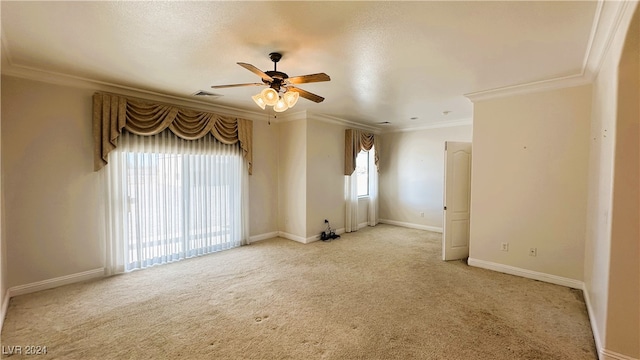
(280, 106)
(291, 98)
(259, 100)
(269, 96)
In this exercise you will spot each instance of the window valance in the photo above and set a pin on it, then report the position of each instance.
(113, 113)
(354, 142)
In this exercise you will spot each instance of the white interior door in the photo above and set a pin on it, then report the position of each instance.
(457, 200)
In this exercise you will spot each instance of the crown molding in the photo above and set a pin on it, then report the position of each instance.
(338, 121)
(433, 125)
(526, 88)
(307, 115)
(593, 45)
(606, 20)
(56, 78)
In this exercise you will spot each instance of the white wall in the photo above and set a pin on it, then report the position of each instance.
(529, 180)
(611, 247)
(597, 240)
(263, 183)
(292, 178)
(412, 174)
(49, 183)
(53, 193)
(311, 177)
(325, 175)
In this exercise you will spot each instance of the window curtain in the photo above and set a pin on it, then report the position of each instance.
(170, 199)
(150, 126)
(356, 141)
(351, 203)
(113, 113)
(372, 218)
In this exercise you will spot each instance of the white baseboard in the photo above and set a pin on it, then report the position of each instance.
(3, 309)
(44, 285)
(282, 234)
(592, 321)
(265, 236)
(530, 274)
(603, 354)
(311, 239)
(55, 282)
(362, 225)
(289, 236)
(297, 238)
(411, 225)
(610, 355)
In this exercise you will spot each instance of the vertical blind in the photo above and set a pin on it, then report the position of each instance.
(171, 199)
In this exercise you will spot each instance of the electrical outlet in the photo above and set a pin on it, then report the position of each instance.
(504, 247)
(421, 214)
(533, 252)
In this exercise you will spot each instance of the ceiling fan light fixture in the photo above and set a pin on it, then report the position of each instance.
(259, 100)
(270, 96)
(291, 98)
(281, 105)
(278, 82)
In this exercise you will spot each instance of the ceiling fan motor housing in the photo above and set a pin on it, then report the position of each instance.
(278, 79)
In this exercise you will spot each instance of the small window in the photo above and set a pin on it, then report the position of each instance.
(362, 173)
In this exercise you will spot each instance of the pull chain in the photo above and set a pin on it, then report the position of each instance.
(275, 116)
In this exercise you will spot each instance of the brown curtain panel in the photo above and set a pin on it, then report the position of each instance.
(354, 142)
(113, 113)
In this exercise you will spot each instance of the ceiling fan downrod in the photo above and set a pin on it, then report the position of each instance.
(275, 57)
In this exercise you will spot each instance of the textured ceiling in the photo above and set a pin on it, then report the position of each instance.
(388, 61)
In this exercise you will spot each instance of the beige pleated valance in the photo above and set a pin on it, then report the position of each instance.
(354, 142)
(113, 113)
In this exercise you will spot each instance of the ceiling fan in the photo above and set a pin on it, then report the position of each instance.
(278, 82)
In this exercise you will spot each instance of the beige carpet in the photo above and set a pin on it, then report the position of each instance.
(380, 293)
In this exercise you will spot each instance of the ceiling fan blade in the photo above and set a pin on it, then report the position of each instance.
(235, 85)
(307, 95)
(308, 78)
(256, 71)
